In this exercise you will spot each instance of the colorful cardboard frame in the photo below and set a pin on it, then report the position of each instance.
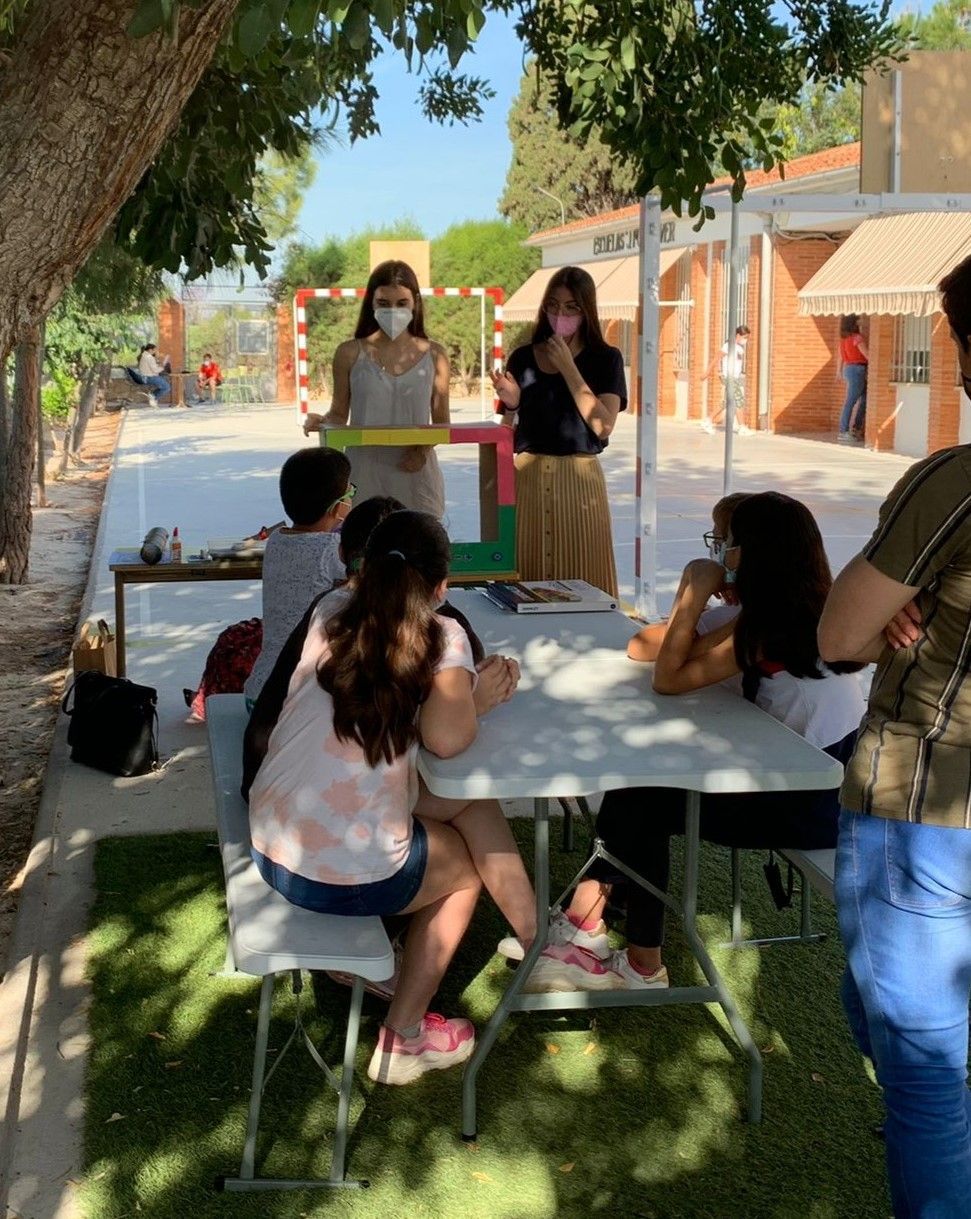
(493, 555)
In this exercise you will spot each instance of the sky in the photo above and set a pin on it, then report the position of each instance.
(435, 175)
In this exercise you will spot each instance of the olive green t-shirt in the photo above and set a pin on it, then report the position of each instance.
(913, 757)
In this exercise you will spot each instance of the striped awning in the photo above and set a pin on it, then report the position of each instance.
(618, 287)
(890, 264)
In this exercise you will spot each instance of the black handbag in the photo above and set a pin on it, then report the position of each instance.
(114, 724)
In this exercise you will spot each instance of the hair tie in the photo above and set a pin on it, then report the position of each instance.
(396, 554)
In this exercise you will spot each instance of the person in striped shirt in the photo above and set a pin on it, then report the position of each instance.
(903, 866)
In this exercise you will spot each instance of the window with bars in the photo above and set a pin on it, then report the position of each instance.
(911, 362)
(742, 284)
(682, 343)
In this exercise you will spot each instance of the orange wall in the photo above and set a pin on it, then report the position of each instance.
(171, 332)
(285, 355)
(804, 393)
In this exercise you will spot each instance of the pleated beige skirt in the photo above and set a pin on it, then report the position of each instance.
(563, 529)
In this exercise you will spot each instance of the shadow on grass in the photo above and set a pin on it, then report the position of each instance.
(636, 1114)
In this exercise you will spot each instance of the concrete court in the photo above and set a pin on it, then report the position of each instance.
(213, 471)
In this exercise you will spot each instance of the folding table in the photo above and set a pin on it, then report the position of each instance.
(586, 720)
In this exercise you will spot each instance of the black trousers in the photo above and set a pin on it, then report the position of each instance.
(636, 825)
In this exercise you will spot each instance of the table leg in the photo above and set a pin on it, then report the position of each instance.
(689, 902)
(120, 623)
(486, 1040)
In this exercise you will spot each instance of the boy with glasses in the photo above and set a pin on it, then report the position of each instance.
(302, 561)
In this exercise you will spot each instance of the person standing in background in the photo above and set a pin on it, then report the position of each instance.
(903, 864)
(852, 362)
(731, 372)
(391, 375)
(562, 392)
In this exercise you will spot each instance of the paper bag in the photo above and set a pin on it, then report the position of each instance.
(95, 650)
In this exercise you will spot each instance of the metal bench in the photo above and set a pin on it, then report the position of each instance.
(815, 870)
(268, 936)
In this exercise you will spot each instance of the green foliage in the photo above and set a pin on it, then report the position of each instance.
(822, 118)
(479, 253)
(676, 88)
(673, 88)
(59, 394)
(945, 27)
(280, 185)
(585, 176)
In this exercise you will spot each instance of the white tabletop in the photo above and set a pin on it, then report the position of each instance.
(585, 719)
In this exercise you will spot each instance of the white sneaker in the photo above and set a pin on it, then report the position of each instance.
(563, 933)
(708, 426)
(152, 400)
(570, 969)
(844, 438)
(743, 430)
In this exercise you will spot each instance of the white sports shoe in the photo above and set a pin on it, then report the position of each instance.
(708, 426)
(563, 933)
(570, 969)
(743, 430)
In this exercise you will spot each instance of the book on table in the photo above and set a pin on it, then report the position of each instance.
(548, 596)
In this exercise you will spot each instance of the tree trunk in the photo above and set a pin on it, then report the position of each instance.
(83, 110)
(90, 400)
(4, 429)
(15, 522)
(39, 407)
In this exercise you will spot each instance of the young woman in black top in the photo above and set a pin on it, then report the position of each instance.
(562, 393)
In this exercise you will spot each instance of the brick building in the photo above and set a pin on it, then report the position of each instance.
(791, 379)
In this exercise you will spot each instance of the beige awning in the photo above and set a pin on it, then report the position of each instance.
(890, 264)
(618, 287)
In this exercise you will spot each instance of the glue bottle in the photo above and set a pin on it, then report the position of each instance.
(176, 553)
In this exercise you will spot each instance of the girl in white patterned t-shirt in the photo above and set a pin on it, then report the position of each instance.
(340, 821)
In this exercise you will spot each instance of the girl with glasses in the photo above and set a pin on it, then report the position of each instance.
(562, 393)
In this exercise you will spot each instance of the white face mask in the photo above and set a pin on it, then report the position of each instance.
(393, 321)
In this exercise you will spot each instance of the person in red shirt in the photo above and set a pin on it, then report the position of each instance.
(852, 361)
(210, 377)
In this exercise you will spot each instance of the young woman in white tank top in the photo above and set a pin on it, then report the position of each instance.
(391, 375)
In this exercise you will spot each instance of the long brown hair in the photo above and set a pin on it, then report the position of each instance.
(386, 642)
(580, 285)
(391, 274)
(782, 583)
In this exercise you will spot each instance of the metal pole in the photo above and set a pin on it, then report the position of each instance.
(765, 326)
(645, 537)
(730, 345)
(482, 356)
(898, 123)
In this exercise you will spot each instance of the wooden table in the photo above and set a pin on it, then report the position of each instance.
(585, 719)
(129, 569)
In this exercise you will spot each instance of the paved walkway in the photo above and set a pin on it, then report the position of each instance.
(213, 472)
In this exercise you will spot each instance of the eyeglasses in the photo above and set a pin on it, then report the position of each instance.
(345, 498)
(712, 539)
(570, 309)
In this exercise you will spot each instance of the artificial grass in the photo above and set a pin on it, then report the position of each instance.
(627, 1114)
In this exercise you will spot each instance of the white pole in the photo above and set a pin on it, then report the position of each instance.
(730, 370)
(645, 537)
(482, 357)
(898, 123)
(765, 325)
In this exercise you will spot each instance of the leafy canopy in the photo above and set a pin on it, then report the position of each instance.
(585, 176)
(674, 88)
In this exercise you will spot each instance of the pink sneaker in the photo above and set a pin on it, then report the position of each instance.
(441, 1043)
(570, 968)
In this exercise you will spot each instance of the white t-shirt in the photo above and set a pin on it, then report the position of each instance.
(316, 807)
(297, 567)
(823, 710)
(148, 366)
(737, 368)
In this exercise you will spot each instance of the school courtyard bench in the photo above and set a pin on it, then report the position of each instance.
(815, 870)
(268, 937)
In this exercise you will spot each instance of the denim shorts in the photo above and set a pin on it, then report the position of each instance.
(389, 896)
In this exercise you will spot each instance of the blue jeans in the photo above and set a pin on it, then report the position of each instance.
(158, 385)
(855, 377)
(903, 895)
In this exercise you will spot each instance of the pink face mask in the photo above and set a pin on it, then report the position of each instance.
(563, 325)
